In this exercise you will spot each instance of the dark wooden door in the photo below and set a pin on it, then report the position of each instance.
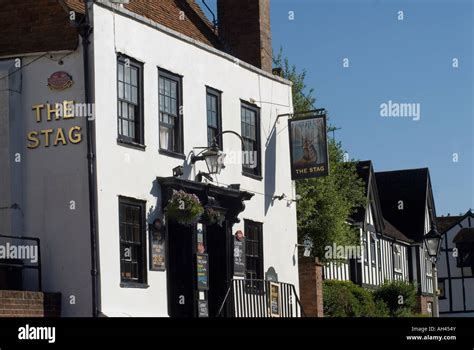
(219, 252)
(181, 267)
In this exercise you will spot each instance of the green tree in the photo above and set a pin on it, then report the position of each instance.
(326, 202)
(303, 99)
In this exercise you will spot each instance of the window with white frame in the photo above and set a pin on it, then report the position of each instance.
(373, 247)
(171, 117)
(397, 258)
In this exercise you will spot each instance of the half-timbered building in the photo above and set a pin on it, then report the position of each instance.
(384, 249)
(456, 265)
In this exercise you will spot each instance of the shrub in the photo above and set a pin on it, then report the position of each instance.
(399, 296)
(345, 299)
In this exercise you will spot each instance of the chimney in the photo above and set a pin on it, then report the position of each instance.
(244, 28)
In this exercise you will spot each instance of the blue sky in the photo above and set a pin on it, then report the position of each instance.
(407, 61)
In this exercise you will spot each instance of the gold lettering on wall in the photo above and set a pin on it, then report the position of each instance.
(33, 138)
(54, 136)
(75, 137)
(60, 137)
(38, 112)
(68, 108)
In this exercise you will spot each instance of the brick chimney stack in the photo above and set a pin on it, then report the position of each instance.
(244, 28)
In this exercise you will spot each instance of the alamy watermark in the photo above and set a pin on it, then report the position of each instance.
(342, 252)
(75, 110)
(22, 252)
(402, 110)
(248, 159)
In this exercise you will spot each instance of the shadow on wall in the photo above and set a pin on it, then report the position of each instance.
(155, 210)
(270, 170)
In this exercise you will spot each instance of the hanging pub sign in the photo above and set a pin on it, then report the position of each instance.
(308, 146)
(239, 254)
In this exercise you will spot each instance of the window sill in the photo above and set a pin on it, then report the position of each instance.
(133, 285)
(165, 152)
(252, 176)
(131, 144)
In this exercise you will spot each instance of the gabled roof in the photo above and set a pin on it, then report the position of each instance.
(168, 13)
(445, 223)
(363, 170)
(393, 232)
(366, 173)
(408, 188)
(465, 235)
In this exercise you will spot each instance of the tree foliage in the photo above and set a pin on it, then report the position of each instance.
(303, 99)
(326, 202)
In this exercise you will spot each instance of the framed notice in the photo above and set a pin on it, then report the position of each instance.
(239, 256)
(202, 270)
(308, 147)
(203, 308)
(274, 299)
(157, 251)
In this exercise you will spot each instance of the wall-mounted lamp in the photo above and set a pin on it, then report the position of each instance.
(178, 171)
(280, 197)
(213, 157)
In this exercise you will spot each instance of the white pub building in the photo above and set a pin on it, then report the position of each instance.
(114, 120)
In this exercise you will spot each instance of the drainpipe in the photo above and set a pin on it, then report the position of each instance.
(85, 31)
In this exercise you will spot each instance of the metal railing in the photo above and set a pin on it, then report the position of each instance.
(35, 266)
(260, 298)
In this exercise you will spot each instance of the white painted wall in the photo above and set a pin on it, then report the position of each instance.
(130, 172)
(52, 178)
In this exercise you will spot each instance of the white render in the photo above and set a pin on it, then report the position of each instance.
(48, 179)
(130, 172)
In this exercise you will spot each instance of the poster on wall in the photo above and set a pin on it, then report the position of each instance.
(274, 299)
(308, 146)
(203, 308)
(202, 266)
(157, 251)
(239, 254)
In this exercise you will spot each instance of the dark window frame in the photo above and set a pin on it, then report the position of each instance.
(255, 173)
(254, 287)
(218, 95)
(139, 140)
(179, 131)
(142, 278)
(465, 255)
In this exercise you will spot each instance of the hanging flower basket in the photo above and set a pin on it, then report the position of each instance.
(184, 208)
(213, 216)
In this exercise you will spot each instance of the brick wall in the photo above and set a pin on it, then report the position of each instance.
(422, 304)
(311, 286)
(29, 304)
(35, 26)
(244, 28)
